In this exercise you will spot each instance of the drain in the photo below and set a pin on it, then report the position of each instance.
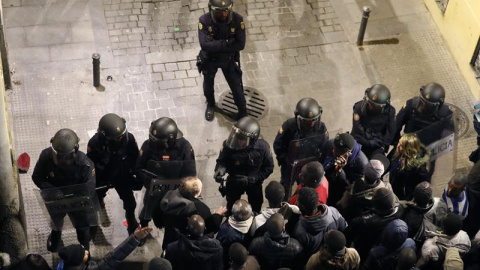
(257, 106)
(460, 119)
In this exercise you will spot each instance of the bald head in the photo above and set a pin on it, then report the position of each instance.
(191, 187)
(241, 210)
(196, 226)
(275, 224)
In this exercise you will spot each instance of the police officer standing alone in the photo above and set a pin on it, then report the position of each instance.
(60, 165)
(165, 155)
(374, 121)
(114, 152)
(248, 162)
(221, 34)
(305, 127)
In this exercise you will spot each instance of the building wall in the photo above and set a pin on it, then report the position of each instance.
(460, 27)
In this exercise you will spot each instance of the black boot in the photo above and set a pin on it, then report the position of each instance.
(54, 240)
(209, 113)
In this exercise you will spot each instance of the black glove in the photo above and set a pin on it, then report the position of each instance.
(241, 180)
(229, 41)
(219, 173)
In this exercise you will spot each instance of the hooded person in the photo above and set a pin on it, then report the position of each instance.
(394, 238)
(435, 247)
(333, 254)
(274, 193)
(365, 230)
(358, 199)
(344, 163)
(76, 257)
(315, 221)
(195, 250)
(276, 248)
(237, 228)
(240, 259)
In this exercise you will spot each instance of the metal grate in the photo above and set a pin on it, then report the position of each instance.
(460, 119)
(257, 106)
(442, 4)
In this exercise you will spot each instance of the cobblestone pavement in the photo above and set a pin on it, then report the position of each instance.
(295, 48)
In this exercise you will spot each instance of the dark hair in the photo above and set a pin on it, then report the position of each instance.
(312, 173)
(274, 192)
(406, 259)
(452, 224)
(238, 254)
(307, 200)
(275, 224)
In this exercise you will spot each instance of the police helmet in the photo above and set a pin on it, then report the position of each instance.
(376, 99)
(64, 146)
(431, 97)
(244, 133)
(163, 133)
(308, 114)
(221, 11)
(112, 128)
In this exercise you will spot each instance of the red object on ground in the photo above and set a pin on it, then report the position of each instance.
(23, 163)
(125, 223)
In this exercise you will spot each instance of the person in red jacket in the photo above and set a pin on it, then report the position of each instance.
(312, 175)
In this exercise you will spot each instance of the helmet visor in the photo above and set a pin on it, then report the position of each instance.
(307, 124)
(158, 144)
(372, 108)
(115, 143)
(236, 140)
(63, 159)
(221, 14)
(426, 107)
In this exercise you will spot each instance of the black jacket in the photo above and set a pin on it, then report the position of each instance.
(115, 167)
(212, 36)
(201, 253)
(47, 175)
(365, 230)
(174, 212)
(276, 252)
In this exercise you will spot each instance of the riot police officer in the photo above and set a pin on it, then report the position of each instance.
(61, 165)
(114, 152)
(165, 155)
(248, 162)
(374, 121)
(300, 137)
(221, 34)
(426, 115)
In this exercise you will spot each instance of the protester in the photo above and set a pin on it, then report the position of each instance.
(240, 259)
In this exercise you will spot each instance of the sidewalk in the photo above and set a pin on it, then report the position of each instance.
(295, 48)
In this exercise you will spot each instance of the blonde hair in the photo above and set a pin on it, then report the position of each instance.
(191, 187)
(409, 146)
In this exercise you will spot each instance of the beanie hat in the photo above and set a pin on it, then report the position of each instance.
(422, 195)
(373, 170)
(344, 142)
(238, 254)
(452, 224)
(72, 255)
(159, 264)
(335, 242)
(383, 201)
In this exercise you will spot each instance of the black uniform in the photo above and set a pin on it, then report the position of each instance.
(281, 146)
(256, 162)
(414, 122)
(115, 168)
(374, 133)
(217, 53)
(158, 163)
(47, 175)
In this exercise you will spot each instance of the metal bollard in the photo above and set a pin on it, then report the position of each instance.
(363, 25)
(96, 69)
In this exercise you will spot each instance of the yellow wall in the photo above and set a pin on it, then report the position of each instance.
(460, 27)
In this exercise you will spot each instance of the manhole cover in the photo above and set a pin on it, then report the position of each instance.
(257, 106)
(460, 119)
